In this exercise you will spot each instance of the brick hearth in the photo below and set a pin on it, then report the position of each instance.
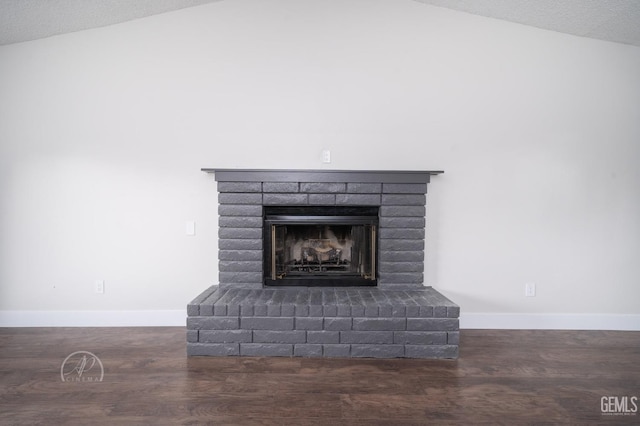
(323, 322)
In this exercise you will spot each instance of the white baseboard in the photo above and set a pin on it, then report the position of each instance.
(93, 318)
(629, 322)
(161, 318)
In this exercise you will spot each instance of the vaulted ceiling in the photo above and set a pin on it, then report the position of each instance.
(611, 20)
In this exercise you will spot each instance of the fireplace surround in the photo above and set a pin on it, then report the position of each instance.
(322, 263)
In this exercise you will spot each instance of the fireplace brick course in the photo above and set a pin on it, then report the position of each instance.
(400, 317)
(328, 322)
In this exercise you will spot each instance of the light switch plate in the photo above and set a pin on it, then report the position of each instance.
(190, 228)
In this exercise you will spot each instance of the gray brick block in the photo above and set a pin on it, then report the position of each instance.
(404, 188)
(285, 199)
(240, 222)
(239, 187)
(402, 211)
(192, 336)
(240, 266)
(370, 337)
(343, 311)
(401, 277)
(431, 351)
(440, 311)
(385, 311)
(315, 310)
(377, 351)
(206, 309)
(402, 233)
(233, 310)
(392, 267)
(213, 349)
(271, 336)
(420, 337)
(364, 188)
(371, 311)
(282, 187)
(401, 256)
(358, 199)
(399, 286)
(337, 324)
(273, 311)
(413, 311)
(453, 311)
(379, 324)
(287, 310)
(323, 337)
(243, 244)
(266, 349)
(308, 323)
(387, 244)
(329, 310)
(267, 323)
(432, 324)
(240, 255)
(404, 199)
(246, 310)
(225, 336)
(301, 310)
(307, 350)
(453, 337)
(240, 233)
(336, 351)
(212, 323)
(402, 222)
(239, 210)
(240, 277)
(240, 198)
(193, 310)
(399, 311)
(322, 199)
(357, 310)
(323, 187)
(426, 312)
(260, 310)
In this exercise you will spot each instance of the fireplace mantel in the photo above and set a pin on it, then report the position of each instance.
(301, 175)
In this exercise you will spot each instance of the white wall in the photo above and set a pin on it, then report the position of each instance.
(103, 134)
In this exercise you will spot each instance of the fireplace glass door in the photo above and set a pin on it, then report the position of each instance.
(320, 250)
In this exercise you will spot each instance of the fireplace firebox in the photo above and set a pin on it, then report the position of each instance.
(320, 246)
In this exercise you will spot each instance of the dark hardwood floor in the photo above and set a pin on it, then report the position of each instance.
(502, 377)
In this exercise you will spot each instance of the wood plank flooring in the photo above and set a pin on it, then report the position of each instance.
(501, 377)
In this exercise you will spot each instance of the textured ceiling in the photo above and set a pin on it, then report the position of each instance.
(611, 20)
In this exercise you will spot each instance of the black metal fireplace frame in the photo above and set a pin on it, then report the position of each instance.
(318, 215)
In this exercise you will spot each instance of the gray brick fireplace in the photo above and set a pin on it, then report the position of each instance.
(351, 297)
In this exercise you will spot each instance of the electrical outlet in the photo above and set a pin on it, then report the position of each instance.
(530, 289)
(326, 156)
(100, 286)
